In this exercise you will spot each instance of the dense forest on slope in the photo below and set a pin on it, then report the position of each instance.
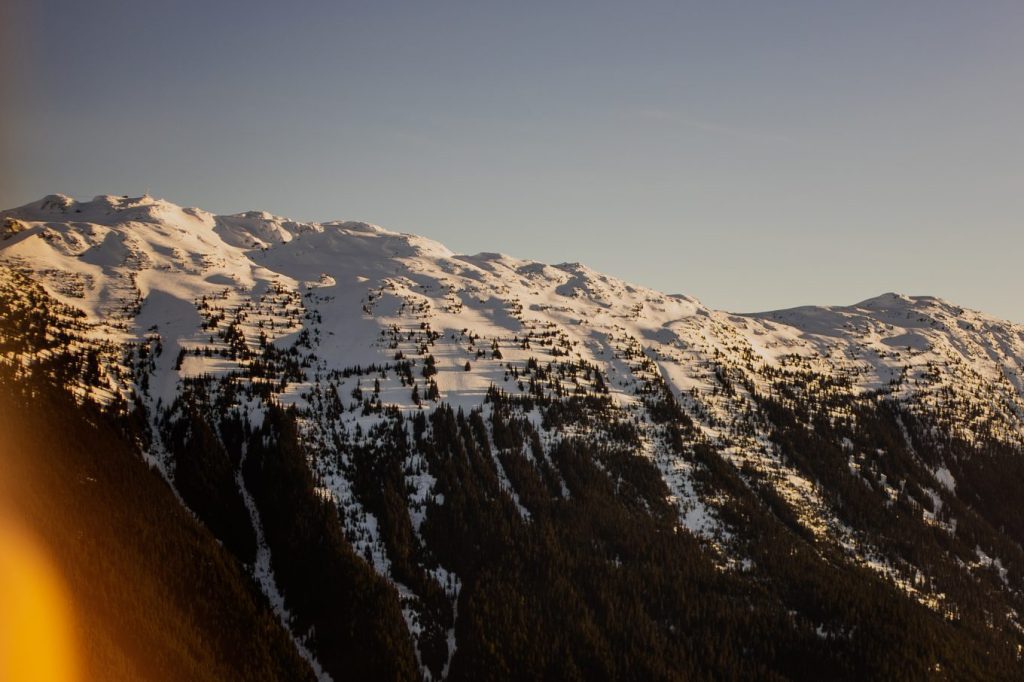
(155, 595)
(258, 476)
(598, 584)
(584, 574)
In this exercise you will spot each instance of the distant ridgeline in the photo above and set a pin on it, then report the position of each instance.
(330, 450)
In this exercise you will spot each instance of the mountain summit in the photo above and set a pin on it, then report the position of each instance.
(481, 466)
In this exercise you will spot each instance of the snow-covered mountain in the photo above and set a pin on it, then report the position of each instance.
(885, 436)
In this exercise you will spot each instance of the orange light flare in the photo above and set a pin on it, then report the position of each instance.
(37, 633)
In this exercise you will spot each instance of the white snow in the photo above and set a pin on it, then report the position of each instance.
(145, 268)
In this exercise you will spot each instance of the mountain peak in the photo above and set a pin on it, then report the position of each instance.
(897, 300)
(726, 426)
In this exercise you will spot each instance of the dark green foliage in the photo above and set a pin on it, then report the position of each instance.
(350, 614)
(155, 596)
(599, 586)
(603, 585)
(378, 479)
(568, 549)
(205, 476)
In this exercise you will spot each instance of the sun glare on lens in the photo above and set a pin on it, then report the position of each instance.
(36, 631)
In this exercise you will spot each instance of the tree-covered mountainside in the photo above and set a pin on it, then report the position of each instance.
(419, 465)
(154, 594)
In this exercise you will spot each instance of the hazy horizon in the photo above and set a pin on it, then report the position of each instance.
(754, 157)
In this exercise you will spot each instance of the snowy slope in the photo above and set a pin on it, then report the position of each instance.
(215, 291)
(111, 256)
(136, 265)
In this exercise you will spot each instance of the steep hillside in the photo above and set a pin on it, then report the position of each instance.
(488, 467)
(154, 596)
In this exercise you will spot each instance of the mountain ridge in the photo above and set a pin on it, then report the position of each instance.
(258, 229)
(836, 422)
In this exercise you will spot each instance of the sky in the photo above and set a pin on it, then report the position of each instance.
(757, 155)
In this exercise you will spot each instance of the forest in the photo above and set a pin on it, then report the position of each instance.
(539, 556)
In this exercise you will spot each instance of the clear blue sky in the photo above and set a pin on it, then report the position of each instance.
(754, 154)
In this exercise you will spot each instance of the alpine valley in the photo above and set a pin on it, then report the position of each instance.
(267, 449)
